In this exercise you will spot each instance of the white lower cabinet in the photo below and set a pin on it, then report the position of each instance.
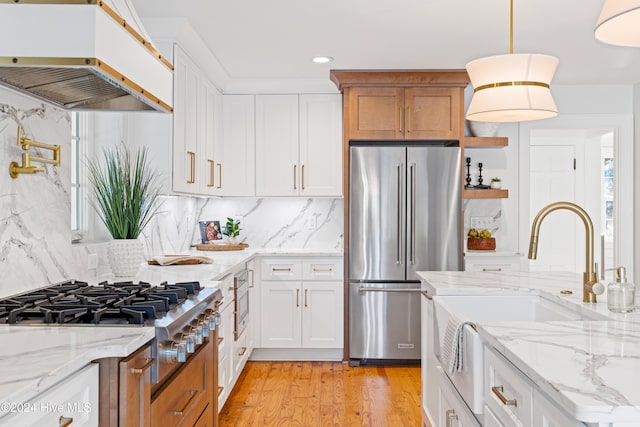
(492, 262)
(301, 303)
(73, 401)
(225, 342)
(453, 412)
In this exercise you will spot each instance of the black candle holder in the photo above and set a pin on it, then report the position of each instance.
(480, 185)
(468, 179)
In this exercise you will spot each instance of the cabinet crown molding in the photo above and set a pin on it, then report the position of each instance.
(400, 78)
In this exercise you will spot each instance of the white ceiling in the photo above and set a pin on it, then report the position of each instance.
(257, 39)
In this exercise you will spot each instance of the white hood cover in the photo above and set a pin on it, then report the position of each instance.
(83, 54)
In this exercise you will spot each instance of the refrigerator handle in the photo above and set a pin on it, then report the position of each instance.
(399, 218)
(412, 234)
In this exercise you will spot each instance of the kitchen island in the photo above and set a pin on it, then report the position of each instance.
(589, 369)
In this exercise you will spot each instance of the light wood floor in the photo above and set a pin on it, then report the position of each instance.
(308, 394)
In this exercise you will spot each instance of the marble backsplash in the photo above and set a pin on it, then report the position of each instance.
(35, 233)
(292, 222)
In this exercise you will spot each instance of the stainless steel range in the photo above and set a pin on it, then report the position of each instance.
(184, 316)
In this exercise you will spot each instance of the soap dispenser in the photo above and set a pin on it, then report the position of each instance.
(621, 294)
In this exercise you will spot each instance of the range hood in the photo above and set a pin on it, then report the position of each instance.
(82, 55)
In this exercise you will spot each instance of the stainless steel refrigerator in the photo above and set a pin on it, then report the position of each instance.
(404, 216)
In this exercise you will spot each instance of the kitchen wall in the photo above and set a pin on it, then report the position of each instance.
(275, 223)
(35, 236)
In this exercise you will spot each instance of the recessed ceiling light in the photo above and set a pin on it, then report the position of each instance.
(322, 59)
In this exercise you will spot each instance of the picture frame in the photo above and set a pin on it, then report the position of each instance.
(210, 231)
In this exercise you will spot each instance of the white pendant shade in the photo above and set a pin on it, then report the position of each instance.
(619, 23)
(512, 88)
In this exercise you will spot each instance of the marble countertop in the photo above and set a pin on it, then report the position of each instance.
(35, 358)
(590, 368)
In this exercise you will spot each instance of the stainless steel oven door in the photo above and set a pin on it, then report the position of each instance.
(241, 304)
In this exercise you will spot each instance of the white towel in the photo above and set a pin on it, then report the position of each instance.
(450, 330)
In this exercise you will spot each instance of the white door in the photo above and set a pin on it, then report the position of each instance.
(277, 169)
(186, 124)
(209, 144)
(280, 310)
(553, 179)
(322, 315)
(321, 145)
(236, 172)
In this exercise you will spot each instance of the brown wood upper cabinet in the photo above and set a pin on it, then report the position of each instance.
(402, 104)
(404, 113)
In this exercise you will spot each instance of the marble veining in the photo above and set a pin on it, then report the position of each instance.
(590, 368)
(41, 356)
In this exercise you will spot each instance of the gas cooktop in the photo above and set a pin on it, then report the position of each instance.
(76, 302)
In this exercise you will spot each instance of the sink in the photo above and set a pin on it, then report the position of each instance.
(532, 308)
(493, 308)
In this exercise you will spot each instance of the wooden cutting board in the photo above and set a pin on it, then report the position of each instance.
(206, 247)
(181, 262)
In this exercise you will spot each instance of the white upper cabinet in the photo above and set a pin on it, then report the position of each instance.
(321, 145)
(298, 145)
(235, 172)
(195, 119)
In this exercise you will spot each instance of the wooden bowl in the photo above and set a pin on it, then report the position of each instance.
(478, 244)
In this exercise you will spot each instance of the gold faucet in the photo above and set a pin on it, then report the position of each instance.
(590, 277)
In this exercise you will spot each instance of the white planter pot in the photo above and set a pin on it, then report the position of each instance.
(125, 256)
(496, 185)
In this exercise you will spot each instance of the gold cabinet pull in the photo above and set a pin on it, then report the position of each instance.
(64, 421)
(295, 167)
(407, 118)
(220, 390)
(144, 367)
(219, 175)
(211, 168)
(192, 394)
(220, 339)
(297, 297)
(244, 350)
(252, 277)
(306, 291)
(399, 120)
(330, 269)
(498, 390)
(303, 177)
(192, 167)
(281, 269)
(491, 269)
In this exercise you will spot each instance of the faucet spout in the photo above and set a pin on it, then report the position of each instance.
(589, 277)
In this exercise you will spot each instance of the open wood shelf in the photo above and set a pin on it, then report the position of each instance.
(485, 194)
(475, 141)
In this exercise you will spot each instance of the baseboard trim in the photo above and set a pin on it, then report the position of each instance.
(297, 354)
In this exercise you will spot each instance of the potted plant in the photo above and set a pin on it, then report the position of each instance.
(232, 230)
(480, 240)
(496, 183)
(125, 190)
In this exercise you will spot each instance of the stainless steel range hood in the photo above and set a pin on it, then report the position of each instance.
(82, 55)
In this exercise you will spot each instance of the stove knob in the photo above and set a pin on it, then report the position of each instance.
(204, 324)
(212, 322)
(188, 342)
(197, 334)
(218, 318)
(174, 352)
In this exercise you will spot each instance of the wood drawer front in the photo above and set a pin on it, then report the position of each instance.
(503, 379)
(188, 394)
(322, 269)
(135, 389)
(281, 268)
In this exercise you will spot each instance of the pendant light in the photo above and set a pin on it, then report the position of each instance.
(619, 23)
(513, 87)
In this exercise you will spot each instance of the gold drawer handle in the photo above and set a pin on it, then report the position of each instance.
(244, 350)
(220, 339)
(144, 367)
(220, 390)
(303, 177)
(64, 421)
(192, 167)
(192, 394)
(330, 269)
(211, 168)
(281, 269)
(498, 390)
(491, 269)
